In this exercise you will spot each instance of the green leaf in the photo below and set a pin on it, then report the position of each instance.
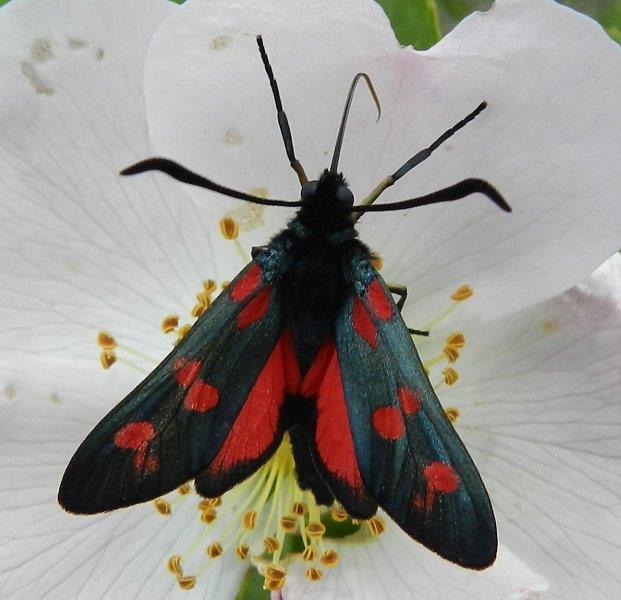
(415, 22)
(252, 584)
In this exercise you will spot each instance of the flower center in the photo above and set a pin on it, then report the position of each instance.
(267, 519)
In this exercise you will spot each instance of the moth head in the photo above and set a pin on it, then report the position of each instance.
(330, 191)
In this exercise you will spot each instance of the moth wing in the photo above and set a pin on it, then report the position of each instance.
(410, 458)
(212, 406)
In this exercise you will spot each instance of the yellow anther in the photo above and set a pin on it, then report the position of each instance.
(162, 506)
(313, 574)
(229, 228)
(288, 523)
(214, 550)
(184, 489)
(206, 503)
(309, 554)
(106, 341)
(270, 544)
(198, 310)
(107, 358)
(169, 323)
(209, 286)
(450, 375)
(330, 558)
(274, 578)
(456, 340)
(462, 293)
(452, 413)
(174, 565)
(451, 353)
(299, 508)
(339, 515)
(225, 284)
(242, 551)
(204, 298)
(182, 332)
(208, 515)
(377, 261)
(249, 520)
(355, 522)
(186, 582)
(376, 526)
(315, 529)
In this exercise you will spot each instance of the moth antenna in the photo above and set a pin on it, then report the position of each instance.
(283, 122)
(454, 192)
(419, 157)
(350, 96)
(180, 173)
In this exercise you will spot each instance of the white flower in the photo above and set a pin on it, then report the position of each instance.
(83, 250)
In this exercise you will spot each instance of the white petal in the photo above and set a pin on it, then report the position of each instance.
(548, 139)
(394, 567)
(539, 411)
(83, 249)
(44, 552)
(204, 62)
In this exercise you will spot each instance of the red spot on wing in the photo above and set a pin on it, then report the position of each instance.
(441, 477)
(379, 302)
(134, 436)
(201, 397)
(186, 371)
(333, 436)
(255, 309)
(247, 284)
(256, 424)
(363, 324)
(388, 422)
(409, 400)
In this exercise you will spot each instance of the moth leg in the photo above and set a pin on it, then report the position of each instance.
(402, 292)
(256, 250)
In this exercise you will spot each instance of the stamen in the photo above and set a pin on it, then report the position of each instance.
(313, 574)
(186, 582)
(330, 558)
(274, 578)
(105, 341)
(456, 340)
(182, 332)
(377, 261)
(270, 544)
(107, 358)
(339, 515)
(450, 375)
(299, 508)
(376, 526)
(208, 515)
(452, 413)
(229, 228)
(214, 550)
(309, 554)
(184, 489)
(288, 523)
(315, 529)
(451, 353)
(163, 507)
(174, 565)
(242, 551)
(210, 286)
(169, 323)
(249, 520)
(462, 293)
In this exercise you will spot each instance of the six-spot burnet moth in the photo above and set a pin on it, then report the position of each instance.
(306, 340)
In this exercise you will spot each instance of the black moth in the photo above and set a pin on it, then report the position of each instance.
(307, 340)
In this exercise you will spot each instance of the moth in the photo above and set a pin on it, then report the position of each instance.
(306, 340)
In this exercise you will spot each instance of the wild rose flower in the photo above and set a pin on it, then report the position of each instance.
(85, 252)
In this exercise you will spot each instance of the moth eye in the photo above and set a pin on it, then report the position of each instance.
(309, 189)
(344, 196)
